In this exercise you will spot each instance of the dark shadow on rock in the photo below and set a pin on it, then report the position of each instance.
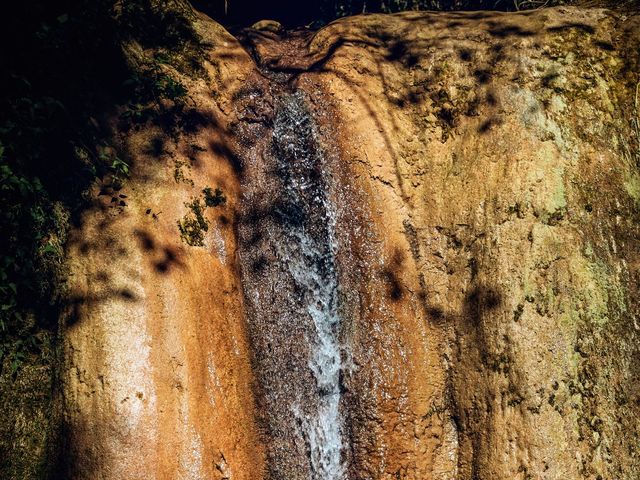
(573, 26)
(74, 304)
(478, 301)
(225, 151)
(163, 257)
(391, 275)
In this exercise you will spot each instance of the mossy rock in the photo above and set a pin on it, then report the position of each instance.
(28, 422)
(267, 26)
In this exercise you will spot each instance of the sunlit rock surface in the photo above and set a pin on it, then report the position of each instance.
(157, 375)
(426, 266)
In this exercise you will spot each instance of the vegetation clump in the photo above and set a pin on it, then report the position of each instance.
(58, 91)
(194, 225)
(54, 144)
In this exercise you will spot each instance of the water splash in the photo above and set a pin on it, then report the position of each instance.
(309, 255)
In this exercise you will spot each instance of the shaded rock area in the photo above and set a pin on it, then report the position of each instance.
(30, 417)
(464, 190)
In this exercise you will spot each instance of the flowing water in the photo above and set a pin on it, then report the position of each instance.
(291, 287)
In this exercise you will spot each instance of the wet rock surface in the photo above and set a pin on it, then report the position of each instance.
(289, 273)
(495, 157)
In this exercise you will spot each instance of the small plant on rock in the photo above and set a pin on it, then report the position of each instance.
(194, 225)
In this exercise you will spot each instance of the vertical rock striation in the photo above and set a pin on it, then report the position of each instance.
(157, 378)
(498, 154)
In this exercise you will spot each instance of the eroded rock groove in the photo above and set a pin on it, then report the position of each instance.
(290, 279)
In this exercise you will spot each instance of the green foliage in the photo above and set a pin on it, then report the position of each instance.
(55, 89)
(157, 22)
(178, 172)
(194, 225)
(14, 353)
(148, 89)
(63, 78)
(153, 85)
(120, 167)
(167, 29)
(31, 257)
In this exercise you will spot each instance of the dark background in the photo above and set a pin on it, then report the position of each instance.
(292, 13)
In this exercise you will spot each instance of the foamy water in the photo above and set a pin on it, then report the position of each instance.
(310, 258)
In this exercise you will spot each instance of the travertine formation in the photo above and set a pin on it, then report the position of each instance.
(158, 370)
(480, 202)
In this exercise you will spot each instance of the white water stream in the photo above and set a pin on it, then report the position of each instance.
(310, 258)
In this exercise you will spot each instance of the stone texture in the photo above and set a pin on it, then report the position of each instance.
(157, 376)
(29, 418)
(500, 165)
(487, 192)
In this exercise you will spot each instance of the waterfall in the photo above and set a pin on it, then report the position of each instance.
(310, 258)
(295, 321)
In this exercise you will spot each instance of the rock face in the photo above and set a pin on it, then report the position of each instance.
(498, 160)
(426, 266)
(158, 375)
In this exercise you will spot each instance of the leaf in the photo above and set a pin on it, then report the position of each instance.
(63, 18)
(49, 249)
